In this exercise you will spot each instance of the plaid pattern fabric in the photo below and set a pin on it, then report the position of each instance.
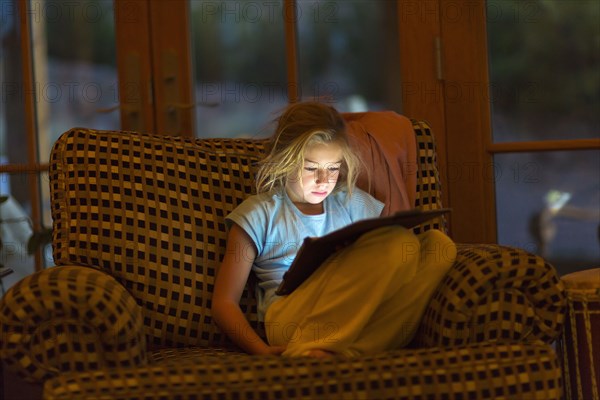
(138, 236)
(510, 371)
(494, 293)
(70, 319)
(150, 210)
(429, 192)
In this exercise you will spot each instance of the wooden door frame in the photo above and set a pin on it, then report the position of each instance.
(469, 167)
(439, 55)
(445, 82)
(154, 66)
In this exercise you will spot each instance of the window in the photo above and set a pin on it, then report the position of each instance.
(544, 60)
(238, 51)
(243, 67)
(138, 65)
(58, 71)
(344, 60)
(544, 69)
(202, 68)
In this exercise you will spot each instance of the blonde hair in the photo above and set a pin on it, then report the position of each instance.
(300, 126)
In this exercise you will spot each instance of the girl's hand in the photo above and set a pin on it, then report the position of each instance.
(274, 350)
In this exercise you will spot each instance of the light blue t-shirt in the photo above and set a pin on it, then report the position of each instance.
(278, 228)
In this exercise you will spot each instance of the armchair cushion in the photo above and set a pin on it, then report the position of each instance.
(149, 211)
(479, 371)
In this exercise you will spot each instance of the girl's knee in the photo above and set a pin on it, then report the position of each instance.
(383, 250)
(437, 248)
(434, 237)
(393, 243)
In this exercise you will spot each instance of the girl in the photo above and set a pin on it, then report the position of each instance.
(368, 296)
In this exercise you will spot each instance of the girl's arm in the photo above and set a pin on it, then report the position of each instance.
(229, 285)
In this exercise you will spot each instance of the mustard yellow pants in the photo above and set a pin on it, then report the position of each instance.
(369, 297)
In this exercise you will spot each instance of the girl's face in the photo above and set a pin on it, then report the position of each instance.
(319, 174)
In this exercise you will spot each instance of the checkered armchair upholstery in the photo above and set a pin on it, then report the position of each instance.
(126, 313)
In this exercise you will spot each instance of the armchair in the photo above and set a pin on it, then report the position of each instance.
(126, 313)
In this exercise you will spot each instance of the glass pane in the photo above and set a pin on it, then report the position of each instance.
(549, 203)
(349, 54)
(46, 224)
(75, 67)
(13, 142)
(239, 66)
(544, 60)
(75, 75)
(15, 199)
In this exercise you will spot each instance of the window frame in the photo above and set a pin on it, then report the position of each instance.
(468, 125)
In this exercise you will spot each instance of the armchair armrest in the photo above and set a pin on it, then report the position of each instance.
(495, 293)
(69, 318)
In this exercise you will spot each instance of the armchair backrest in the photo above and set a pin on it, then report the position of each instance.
(149, 210)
